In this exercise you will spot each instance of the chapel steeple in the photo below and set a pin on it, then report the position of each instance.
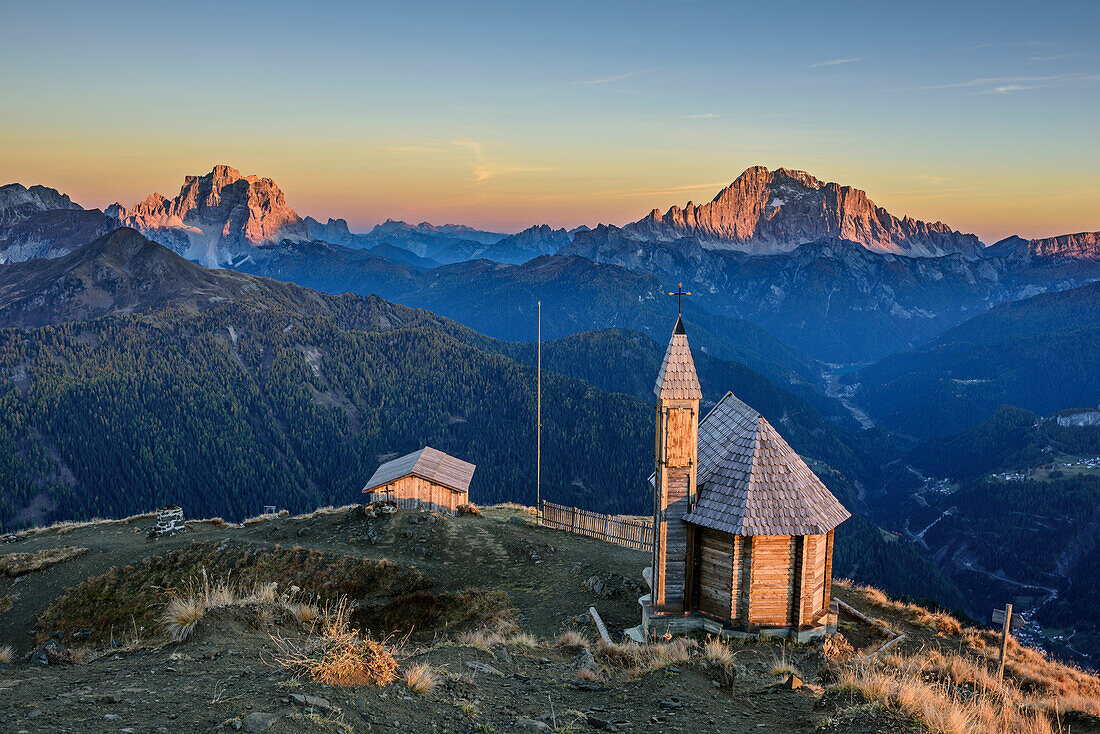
(676, 456)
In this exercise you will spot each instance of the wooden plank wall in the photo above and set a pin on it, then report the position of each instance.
(412, 491)
(716, 574)
(675, 540)
(632, 533)
(813, 578)
(770, 580)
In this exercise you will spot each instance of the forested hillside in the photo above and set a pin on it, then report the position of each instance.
(950, 388)
(233, 408)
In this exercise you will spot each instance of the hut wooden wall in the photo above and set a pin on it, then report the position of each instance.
(412, 490)
(764, 580)
(813, 578)
(721, 570)
(772, 564)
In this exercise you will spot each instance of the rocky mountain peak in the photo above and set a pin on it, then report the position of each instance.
(218, 215)
(17, 202)
(765, 212)
(1079, 246)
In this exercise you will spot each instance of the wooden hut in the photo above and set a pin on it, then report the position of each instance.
(743, 529)
(425, 478)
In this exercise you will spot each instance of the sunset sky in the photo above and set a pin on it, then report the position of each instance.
(502, 115)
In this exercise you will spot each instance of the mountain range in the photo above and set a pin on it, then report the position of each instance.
(816, 264)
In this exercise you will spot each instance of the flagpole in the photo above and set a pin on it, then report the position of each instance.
(538, 427)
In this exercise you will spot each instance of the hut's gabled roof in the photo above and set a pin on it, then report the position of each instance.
(427, 463)
(752, 483)
(677, 379)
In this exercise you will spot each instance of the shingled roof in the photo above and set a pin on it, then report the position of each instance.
(427, 463)
(676, 379)
(752, 483)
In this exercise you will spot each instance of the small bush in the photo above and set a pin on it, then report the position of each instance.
(339, 656)
(469, 510)
(717, 652)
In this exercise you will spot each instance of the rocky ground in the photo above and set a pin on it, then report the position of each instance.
(225, 676)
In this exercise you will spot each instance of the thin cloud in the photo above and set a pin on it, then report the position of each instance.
(1010, 88)
(612, 79)
(665, 191)
(834, 62)
(1052, 57)
(702, 116)
(485, 168)
(1008, 84)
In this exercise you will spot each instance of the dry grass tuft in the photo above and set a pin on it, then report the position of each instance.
(6, 654)
(500, 630)
(420, 678)
(6, 602)
(717, 652)
(523, 639)
(18, 564)
(339, 656)
(587, 674)
(181, 615)
(782, 667)
(573, 640)
(836, 647)
(265, 517)
(306, 614)
(532, 511)
(469, 510)
(632, 657)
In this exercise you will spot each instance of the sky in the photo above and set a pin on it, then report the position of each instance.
(500, 115)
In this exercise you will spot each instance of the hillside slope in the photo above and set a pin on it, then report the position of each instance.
(493, 609)
(1039, 354)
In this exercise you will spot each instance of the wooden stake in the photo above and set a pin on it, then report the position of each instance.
(538, 428)
(1004, 641)
(599, 625)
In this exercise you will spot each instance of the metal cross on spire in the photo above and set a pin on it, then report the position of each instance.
(680, 293)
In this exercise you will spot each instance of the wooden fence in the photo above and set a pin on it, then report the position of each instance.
(636, 534)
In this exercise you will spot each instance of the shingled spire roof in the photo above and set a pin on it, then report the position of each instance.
(676, 379)
(752, 483)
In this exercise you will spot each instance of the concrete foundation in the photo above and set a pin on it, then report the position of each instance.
(656, 625)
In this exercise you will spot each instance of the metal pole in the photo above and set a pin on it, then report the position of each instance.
(538, 428)
(1004, 641)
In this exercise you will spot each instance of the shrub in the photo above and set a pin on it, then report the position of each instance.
(339, 656)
